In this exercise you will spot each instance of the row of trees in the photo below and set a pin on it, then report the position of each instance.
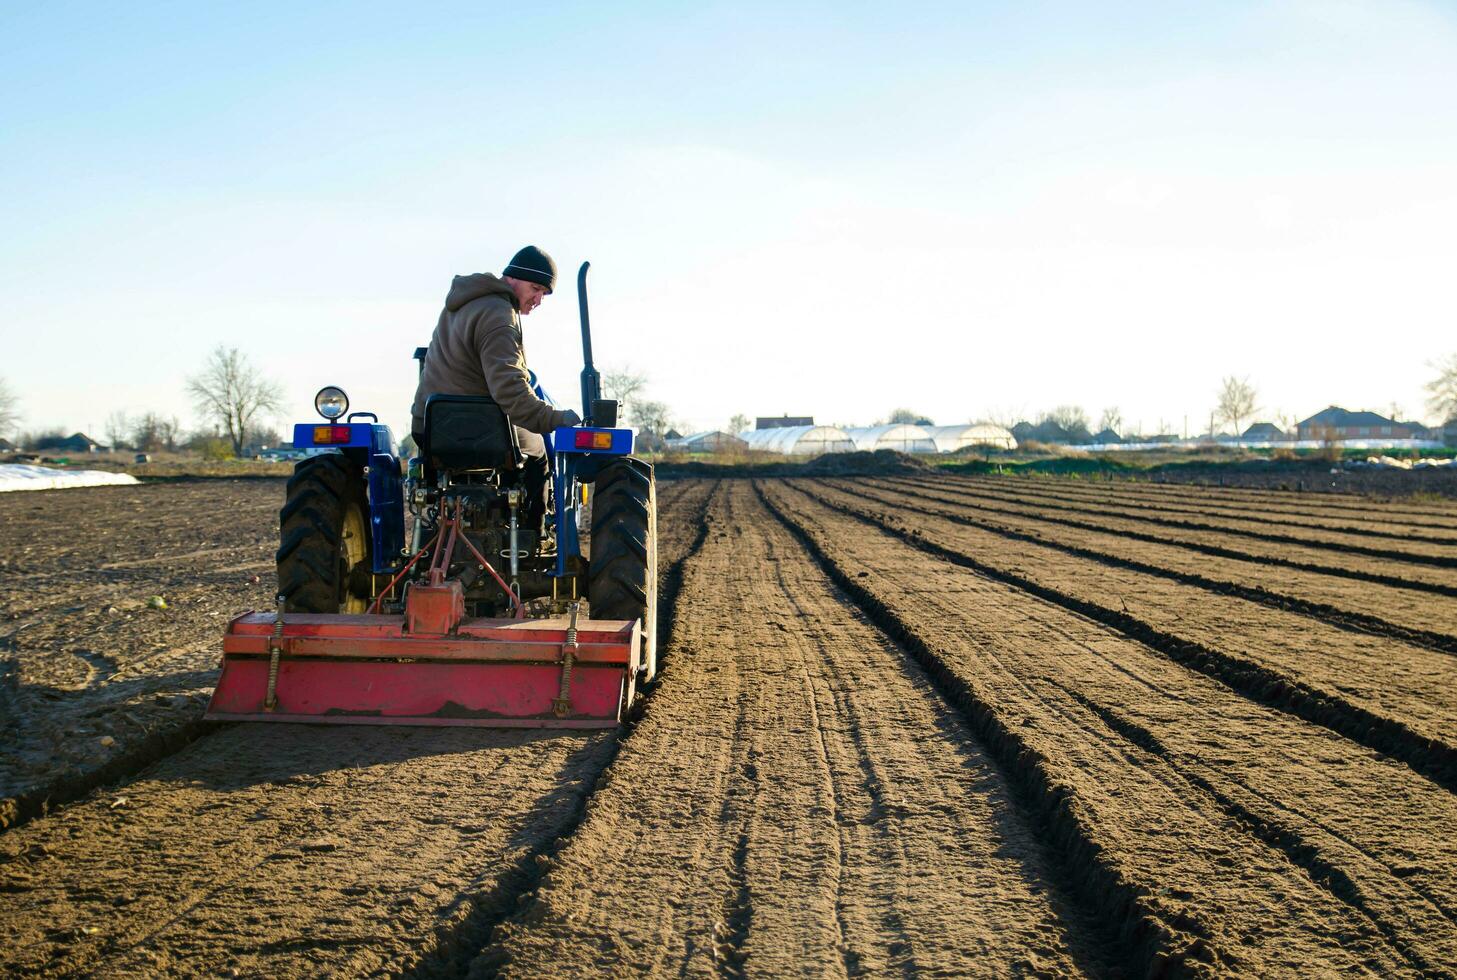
(229, 393)
(236, 399)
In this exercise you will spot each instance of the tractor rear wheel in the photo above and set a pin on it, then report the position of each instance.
(323, 530)
(622, 573)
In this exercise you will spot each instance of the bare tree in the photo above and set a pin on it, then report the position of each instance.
(9, 408)
(906, 416)
(1442, 390)
(153, 432)
(1111, 419)
(1236, 402)
(653, 420)
(1070, 417)
(624, 384)
(118, 429)
(232, 393)
(740, 423)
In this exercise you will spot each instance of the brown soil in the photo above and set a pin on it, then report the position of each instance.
(1381, 592)
(1432, 571)
(1319, 478)
(94, 679)
(1386, 541)
(902, 726)
(1369, 517)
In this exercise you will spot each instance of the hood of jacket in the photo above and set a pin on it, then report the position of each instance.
(463, 289)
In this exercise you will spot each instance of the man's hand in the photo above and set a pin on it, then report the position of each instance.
(572, 418)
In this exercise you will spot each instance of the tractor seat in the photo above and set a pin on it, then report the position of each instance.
(469, 432)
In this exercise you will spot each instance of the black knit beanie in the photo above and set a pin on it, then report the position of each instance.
(532, 265)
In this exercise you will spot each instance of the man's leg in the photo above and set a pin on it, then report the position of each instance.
(534, 476)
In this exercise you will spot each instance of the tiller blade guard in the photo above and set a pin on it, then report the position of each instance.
(430, 666)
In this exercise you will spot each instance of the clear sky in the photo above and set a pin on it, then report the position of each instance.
(831, 209)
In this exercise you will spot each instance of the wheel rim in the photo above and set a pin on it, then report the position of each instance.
(353, 549)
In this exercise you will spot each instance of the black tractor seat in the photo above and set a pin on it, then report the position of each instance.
(469, 432)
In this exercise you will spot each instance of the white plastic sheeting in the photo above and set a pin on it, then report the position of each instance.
(23, 476)
(949, 438)
(799, 440)
(902, 438)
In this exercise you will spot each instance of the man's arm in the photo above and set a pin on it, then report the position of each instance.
(504, 365)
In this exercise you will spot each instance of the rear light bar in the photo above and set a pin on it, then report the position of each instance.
(593, 440)
(328, 435)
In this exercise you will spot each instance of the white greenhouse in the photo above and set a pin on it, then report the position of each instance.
(709, 442)
(949, 438)
(902, 438)
(799, 440)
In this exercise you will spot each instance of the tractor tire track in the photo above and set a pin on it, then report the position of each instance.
(1194, 745)
(795, 801)
(1425, 740)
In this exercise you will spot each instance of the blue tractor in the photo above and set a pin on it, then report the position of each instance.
(436, 591)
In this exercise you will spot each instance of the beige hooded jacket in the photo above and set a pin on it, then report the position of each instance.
(476, 350)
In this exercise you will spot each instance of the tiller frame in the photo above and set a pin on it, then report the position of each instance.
(431, 665)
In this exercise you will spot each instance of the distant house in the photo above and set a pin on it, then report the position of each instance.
(6, 446)
(672, 435)
(1264, 432)
(783, 421)
(78, 442)
(1107, 438)
(1336, 423)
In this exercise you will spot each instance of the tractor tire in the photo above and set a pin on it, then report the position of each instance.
(622, 573)
(323, 529)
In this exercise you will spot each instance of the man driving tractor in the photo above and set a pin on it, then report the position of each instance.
(477, 350)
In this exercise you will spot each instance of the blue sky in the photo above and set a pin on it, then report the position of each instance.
(967, 209)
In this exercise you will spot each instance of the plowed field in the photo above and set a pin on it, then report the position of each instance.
(932, 725)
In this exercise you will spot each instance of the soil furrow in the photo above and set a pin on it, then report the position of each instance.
(1405, 616)
(1409, 577)
(1392, 699)
(683, 528)
(1432, 514)
(1115, 494)
(1017, 660)
(795, 800)
(1439, 555)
